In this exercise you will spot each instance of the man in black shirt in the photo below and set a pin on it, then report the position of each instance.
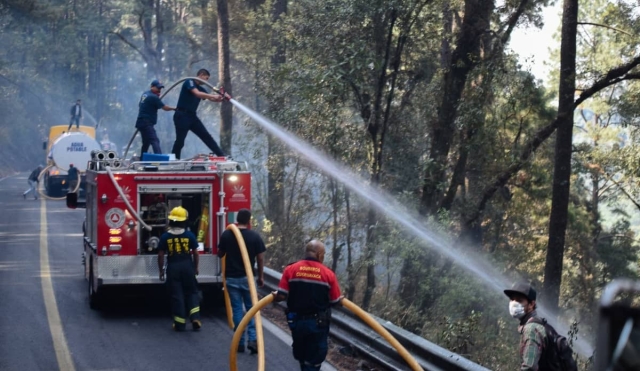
(72, 178)
(236, 276)
(185, 118)
(76, 114)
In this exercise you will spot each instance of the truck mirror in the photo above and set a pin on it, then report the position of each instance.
(44, 145)
(72, 200)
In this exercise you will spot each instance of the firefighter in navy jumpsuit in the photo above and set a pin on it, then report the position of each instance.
(180, 245)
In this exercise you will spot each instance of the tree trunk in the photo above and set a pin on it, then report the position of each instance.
(562, 162)
(463, 59)
(351, 270)
(337, 248)
(224, 72)
(370, 257)
(276, 155)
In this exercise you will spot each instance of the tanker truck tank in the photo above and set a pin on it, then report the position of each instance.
(66, 148)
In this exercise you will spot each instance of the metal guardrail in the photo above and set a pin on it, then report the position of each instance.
(351, 330)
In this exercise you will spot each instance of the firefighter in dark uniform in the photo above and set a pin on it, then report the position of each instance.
(148, 107)
(72, 178)
(180, 245)
(310, 289)
(185, 118)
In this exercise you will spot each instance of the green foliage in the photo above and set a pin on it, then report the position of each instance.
(334, 81)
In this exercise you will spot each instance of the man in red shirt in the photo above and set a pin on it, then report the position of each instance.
(310, 289)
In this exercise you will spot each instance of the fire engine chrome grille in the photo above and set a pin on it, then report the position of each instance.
(143, 269)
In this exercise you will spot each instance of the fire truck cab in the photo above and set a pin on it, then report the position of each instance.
(127, 205)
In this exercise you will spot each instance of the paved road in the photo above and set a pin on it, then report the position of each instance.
(45, 320)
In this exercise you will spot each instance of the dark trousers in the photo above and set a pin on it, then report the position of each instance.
(149, 136)
(185, 121)
(185, 302)
(309, 344)
(77, 121)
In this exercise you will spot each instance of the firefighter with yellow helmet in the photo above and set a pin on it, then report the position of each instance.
(180, 247)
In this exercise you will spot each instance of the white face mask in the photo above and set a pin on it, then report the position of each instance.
(516, 309)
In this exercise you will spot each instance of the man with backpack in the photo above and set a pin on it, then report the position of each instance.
(541, 347)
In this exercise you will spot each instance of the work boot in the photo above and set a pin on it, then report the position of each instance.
(252, 346)
(196, 324)
(176, 328)
(240, 348)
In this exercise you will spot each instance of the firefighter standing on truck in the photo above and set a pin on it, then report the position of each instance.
(310, 289)
(148, 107)
(180, 245)
(185, 118)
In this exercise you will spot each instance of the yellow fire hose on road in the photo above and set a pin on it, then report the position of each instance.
(345, 303)
(227, 300)
(233, 366)
(254, 301)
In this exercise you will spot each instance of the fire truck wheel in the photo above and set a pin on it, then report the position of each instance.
(94, 297)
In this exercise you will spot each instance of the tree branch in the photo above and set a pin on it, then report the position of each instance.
(604, 26)
(612, 77)
(20, 86)
(513, 20)
(126, 41)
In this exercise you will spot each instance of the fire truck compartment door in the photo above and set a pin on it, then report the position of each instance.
(143, 269)
(168, 188)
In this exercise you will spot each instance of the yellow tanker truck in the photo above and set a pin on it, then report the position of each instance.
(64, 148)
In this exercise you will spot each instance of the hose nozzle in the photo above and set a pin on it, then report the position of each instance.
(224, 94)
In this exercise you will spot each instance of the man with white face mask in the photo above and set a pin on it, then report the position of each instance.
(522, 306)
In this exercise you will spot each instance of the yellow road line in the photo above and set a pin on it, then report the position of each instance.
(65, 363)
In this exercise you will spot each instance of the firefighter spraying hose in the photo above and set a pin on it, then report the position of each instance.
(345, 303)
(217, 90)
(254, 300)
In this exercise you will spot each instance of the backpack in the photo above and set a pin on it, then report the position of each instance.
(557, 355)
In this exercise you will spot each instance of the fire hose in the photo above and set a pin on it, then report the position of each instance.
(124, 199)
(364, 316)
(227, 300)
(254, 301)
(217, 90)
(43, 195)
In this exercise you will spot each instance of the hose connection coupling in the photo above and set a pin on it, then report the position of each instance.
(224, 94)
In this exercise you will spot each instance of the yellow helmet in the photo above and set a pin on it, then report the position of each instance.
(178, 214)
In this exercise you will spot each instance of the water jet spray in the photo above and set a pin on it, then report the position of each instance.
(466, 258)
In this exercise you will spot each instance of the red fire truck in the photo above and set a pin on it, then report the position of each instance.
(127, 205)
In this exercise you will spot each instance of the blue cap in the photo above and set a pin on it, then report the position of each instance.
(157, 84)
